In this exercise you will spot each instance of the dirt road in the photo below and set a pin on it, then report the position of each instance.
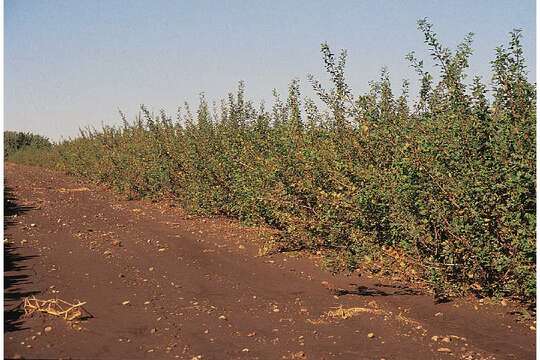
(161, 285)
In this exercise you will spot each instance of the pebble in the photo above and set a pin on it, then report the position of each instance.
(245, 350)
(222, 317)
(443, 349)
(153, 331)
(125, 302)
(370, 335)
(48, 329)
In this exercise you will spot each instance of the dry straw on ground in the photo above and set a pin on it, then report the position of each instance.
(55, 307)
(344, 313)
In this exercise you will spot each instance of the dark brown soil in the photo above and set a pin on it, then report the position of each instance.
(197, 289)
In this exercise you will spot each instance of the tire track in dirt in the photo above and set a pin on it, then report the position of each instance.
(163, 285)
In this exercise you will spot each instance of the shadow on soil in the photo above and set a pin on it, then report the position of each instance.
(15, 272)
(395, 290)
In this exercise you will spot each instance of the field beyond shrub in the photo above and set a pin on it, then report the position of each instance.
(446, 178)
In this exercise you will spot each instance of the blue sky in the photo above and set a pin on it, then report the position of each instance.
(69, 64)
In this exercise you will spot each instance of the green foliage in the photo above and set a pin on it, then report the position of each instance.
(28, 148)
(449, 181)
(15, 141)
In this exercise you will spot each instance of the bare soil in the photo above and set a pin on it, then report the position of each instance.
(160, 284)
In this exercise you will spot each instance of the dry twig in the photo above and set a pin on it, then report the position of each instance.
(55, 307)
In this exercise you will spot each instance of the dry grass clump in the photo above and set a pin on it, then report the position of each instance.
(345, 313)
(55, 307)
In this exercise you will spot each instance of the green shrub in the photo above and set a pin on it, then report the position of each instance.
(28, 148)
(15, 141)
(448, 180)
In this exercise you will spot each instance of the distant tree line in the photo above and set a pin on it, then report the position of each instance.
(17, 140)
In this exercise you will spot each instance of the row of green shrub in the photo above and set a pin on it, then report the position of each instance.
(448, 180)
(15, 142)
